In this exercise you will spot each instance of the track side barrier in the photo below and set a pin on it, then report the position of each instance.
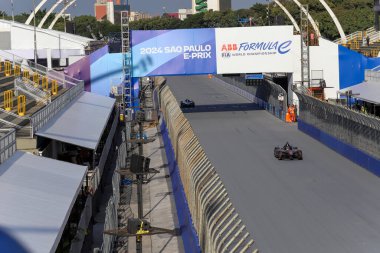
(270, 90)
(217, 224)
(350, 133)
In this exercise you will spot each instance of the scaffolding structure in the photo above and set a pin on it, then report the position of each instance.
(127, 63)
(305, 53)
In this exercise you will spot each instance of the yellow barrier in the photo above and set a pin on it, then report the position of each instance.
(17, 70)
(36, 79)
(21, 105)
(26, 74)
(45, 83)
(211, 209)
(8, 68)
(54, 87)
(8, 100)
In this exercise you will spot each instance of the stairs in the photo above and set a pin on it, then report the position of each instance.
(33, 102)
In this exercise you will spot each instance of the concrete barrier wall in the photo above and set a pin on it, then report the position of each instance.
(206, 214)
(350, 152)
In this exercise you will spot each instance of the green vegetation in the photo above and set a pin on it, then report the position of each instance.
(354, 15)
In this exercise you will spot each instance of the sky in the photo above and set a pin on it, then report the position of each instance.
(154, 7)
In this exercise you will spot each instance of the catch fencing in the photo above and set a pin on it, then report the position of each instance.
(119, 200)
(7, 144)
(216, 221)
(268, 95)
(352, 127)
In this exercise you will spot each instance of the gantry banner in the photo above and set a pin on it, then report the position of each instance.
(212, 51)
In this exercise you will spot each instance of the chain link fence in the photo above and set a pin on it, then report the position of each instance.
(268, 95)
(357, 129)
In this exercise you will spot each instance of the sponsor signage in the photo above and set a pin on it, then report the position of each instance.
(212, 51)
(254, 76)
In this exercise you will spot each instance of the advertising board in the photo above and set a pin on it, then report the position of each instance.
(212, 51)
(173, 52)
(254, 49)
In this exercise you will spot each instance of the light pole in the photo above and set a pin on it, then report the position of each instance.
(35, 34)
(13, 17)
(64, 15)
(268, 16)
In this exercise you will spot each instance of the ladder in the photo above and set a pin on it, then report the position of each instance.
(305, 54)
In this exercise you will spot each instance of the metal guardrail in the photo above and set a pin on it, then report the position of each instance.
(272, 91)
(372, 75)
(26, 86)
(64, 80)
(215, 219)
(7, 144)
(357, 129)
(41, 117)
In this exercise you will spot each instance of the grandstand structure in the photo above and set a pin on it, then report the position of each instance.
(70, 132)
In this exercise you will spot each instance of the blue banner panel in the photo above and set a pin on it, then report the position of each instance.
(254, 76)
(173, 52)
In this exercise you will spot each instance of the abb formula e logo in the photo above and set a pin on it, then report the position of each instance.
(229, 47)
(256, 48)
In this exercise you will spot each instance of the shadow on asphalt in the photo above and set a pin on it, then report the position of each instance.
(222, 108)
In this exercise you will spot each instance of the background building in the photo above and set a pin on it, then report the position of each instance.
(184, 13)
(206, 5)
(110, 10)
(135, 15)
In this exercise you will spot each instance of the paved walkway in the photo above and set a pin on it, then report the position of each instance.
(159, 204)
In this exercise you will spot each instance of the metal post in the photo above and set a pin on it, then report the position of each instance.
(13, 17)
(64, 15)
(35, 33)
(268, 14)
(140, 177)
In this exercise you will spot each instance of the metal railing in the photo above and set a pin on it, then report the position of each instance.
(372, 75)
(266, 96)
(216, 221)
(357, 129)
(7, 143)
(64, 80)
(41, 117)
(26, 86)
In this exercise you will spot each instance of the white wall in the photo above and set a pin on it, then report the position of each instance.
(22, 38)
(213, 5)
(323, 57)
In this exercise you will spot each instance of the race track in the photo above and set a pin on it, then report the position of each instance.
(324, 203)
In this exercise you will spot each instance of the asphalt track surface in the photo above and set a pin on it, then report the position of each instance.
(324, 203)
